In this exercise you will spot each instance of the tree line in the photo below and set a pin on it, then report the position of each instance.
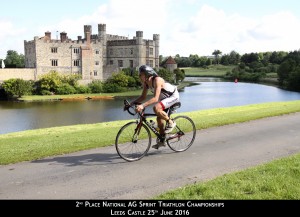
(248, 67)
(252, 67)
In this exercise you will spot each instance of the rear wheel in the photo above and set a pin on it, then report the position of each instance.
(133, 144)
(183, 135)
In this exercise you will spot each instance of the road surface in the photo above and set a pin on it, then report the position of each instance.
(102, 174)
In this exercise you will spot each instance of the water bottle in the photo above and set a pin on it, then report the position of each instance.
(154, 124)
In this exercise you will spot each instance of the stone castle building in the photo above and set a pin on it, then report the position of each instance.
(92, 56)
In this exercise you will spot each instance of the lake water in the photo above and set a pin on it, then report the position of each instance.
(19, 116)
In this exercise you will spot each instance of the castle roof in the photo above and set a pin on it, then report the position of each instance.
(170, 60)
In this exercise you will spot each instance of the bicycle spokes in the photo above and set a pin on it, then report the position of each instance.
(135, 138)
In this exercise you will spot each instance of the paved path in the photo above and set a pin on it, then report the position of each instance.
(101, 174)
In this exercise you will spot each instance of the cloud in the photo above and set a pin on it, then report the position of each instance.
(197, 31)
(10, 37)
(120, 17)
(211, 29)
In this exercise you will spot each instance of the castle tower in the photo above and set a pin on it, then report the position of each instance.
(87, 65)
(156, 41)
(102, 33)
(140, 52)
(87, 33)
(103, 40)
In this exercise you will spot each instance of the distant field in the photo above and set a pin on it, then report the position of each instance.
(211, 71)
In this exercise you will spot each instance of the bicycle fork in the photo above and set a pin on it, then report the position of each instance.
(137, 131)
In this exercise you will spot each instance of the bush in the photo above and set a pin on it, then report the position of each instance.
(109, 87)
(17, 87)
(120, 79)
(70, 79)
(46, 92)
(65, 89)
(96, 86)
(50, 82)
(83, 89)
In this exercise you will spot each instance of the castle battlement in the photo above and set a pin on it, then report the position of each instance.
(93, 56)
(115, 37)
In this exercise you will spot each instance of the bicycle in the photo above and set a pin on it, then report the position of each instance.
(133, 140)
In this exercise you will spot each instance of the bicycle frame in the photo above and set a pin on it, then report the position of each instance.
(142, 119)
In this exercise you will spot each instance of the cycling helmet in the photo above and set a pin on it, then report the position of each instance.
(147, 70)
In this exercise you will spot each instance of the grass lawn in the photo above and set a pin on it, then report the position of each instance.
(277, 180)
(211, 71)
(36, 144)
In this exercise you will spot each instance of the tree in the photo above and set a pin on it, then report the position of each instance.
(289, 70)
(14, 60)
(216, 53)
(179, 75)
(166, 75)
(234, 58)
(17, 87)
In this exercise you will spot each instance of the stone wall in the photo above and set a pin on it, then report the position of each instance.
(26, 74)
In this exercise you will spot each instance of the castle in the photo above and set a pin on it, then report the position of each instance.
(92, 56)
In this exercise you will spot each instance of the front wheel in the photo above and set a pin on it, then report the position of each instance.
(183, 135)
(133, 141)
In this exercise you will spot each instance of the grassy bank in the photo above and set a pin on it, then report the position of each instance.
(36, 144)
(211, 71)
(276, 180)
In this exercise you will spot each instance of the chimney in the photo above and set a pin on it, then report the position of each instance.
(88, 33)
(63, 36)
(79, 38)
(48, 35)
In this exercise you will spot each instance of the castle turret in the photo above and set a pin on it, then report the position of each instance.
(139, 42)
(156, 41)
(88, 33)
(103, 40)
(102, 33)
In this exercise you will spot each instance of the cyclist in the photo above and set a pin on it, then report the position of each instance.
(165, 95)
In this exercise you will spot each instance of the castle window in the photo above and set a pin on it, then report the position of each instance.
(151, 51)
(147, 62)
(147, 51)
(111, 52)
(121, 51)
(120, 63)
(53, 49)
(77, 50)
(111, 62)
(54, 62)
(151, 63)
(97, 52)
(76, 62)
(131, 63)
(95, 73)
(131, 51)
(97, 63)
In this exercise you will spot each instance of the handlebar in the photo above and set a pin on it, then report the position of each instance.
(129, 107)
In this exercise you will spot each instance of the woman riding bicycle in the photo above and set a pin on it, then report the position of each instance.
(165, 95)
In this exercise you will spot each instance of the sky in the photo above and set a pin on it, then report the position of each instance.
(185, 26)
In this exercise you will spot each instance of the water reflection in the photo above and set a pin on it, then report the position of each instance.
(16, 116)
